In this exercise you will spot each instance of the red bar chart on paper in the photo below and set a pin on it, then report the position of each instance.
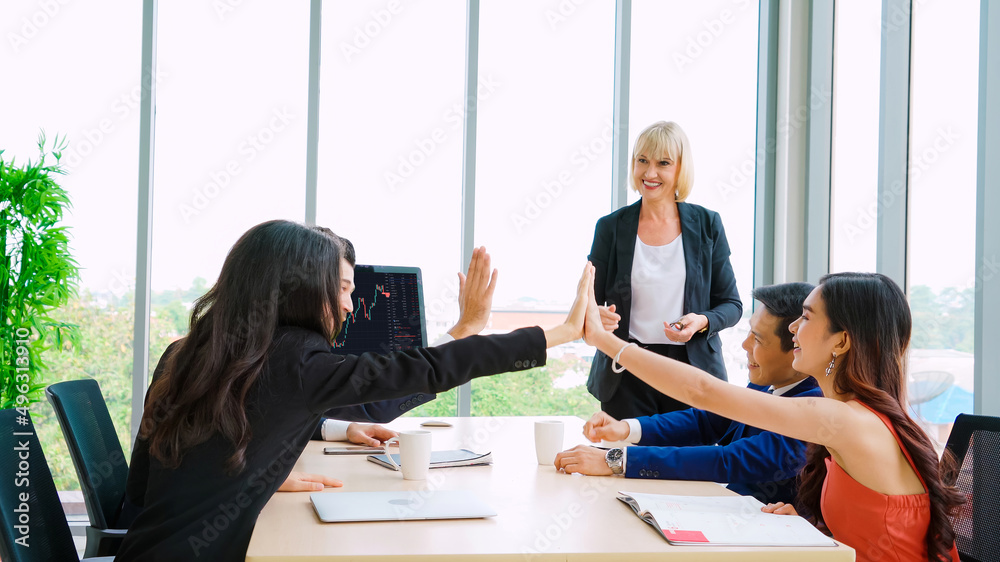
(387, 314)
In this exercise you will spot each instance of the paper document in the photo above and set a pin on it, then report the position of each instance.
(721, 520)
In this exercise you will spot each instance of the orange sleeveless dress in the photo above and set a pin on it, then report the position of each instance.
(877, 526)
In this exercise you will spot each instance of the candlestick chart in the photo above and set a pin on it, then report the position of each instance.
(386, 313)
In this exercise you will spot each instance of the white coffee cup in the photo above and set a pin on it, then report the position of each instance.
(548, 440)
(414, 453)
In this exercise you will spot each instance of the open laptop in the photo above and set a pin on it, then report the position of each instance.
(388, 311)
(342, 507)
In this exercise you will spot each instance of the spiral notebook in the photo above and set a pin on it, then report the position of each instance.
(442, 459)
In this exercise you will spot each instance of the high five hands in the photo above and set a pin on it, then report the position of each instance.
(585, 318)
(573, 327)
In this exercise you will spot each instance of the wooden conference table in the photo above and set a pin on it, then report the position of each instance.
(542, 514)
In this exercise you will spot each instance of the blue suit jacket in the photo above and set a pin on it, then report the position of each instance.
(698, 445)
(710, 288)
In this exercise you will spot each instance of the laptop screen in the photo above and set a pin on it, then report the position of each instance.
(388, 311)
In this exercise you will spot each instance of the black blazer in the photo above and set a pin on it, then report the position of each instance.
(199, 510)
(710, 288)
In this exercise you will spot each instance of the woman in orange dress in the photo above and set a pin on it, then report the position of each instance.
(872, 477)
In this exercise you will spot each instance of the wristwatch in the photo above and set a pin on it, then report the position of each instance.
(614, 459)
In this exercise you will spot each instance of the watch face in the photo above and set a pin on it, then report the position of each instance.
(614, 455)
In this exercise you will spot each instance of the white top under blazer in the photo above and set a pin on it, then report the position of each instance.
(658, 277)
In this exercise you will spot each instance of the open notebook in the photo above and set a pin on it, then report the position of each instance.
(721, 520)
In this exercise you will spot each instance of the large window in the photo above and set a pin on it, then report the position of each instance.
(390, 151)
(942, 194)
(53, 84)
(543, 179)
(854, 181)
(230, 141)
(230, 152)
(696, 64)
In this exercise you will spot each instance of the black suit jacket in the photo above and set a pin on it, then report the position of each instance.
(199, 510)
(710, 288)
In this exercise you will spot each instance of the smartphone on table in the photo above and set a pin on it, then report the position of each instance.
(352, 450)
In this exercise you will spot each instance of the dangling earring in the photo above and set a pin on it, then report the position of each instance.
(829, 368)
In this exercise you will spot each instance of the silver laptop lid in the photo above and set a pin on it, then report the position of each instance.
(339, 507)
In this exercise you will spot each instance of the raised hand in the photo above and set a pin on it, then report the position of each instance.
(572, 328)
(594, 325)
(475, 295)
(602, 426)
(578, 311)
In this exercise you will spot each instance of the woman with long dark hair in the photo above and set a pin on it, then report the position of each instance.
(233, 404)
(872, 478)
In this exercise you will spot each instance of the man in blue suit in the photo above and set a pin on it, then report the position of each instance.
(698, 445)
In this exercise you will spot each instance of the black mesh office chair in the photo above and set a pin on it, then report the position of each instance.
(98, 457)
(34, 530)
(975, 442)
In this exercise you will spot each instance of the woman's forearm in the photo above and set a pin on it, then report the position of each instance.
(560, 334)
(673, 378)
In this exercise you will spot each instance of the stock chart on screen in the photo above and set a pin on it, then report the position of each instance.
(388, 312)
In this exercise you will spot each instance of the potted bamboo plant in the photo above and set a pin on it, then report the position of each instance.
(37, 273)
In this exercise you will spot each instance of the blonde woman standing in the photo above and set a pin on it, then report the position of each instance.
(663, 278)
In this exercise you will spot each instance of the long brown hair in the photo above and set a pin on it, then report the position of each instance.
(873, 311)
(278, 273)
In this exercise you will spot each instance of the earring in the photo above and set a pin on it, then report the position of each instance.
(829, 368)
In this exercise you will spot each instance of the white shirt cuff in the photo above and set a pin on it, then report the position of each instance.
(334, 430)
(634, 431)
(443, 339)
